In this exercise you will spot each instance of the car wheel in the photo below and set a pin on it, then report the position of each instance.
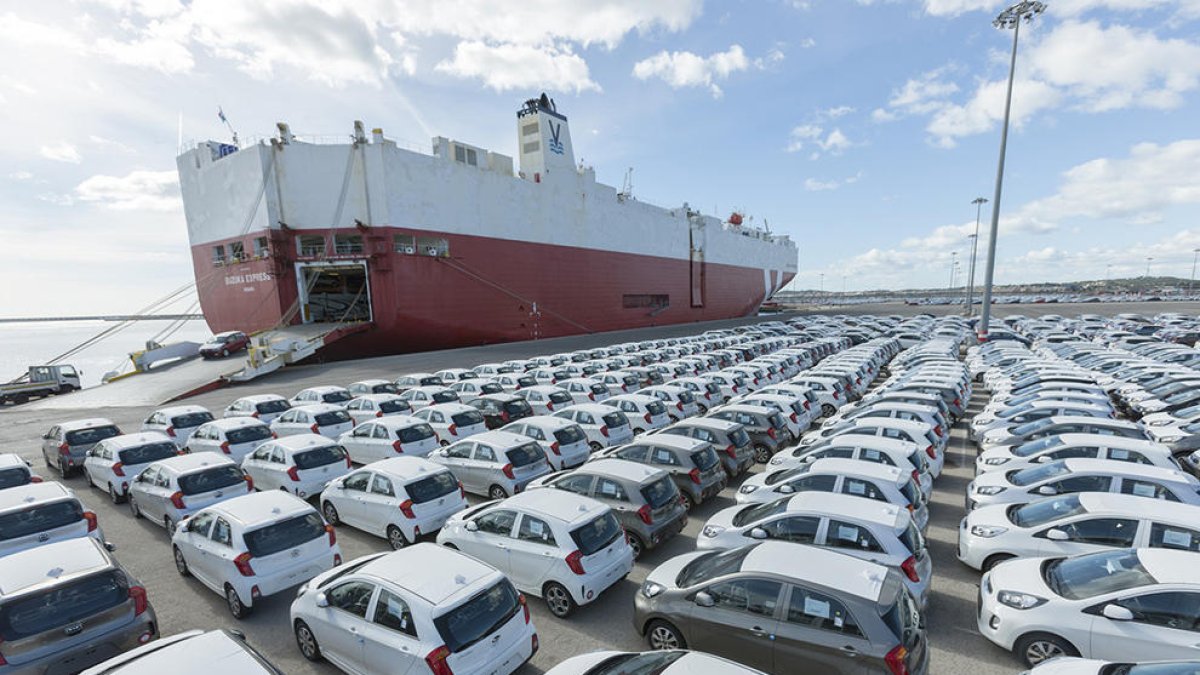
(234, 603)
(662, 635)
(689, 502)
(827, 410)
(116, 497)
(703, 409)
(444, 444)
(331, 514)
(497, 492)
(181, 565)
(63, 469)
(307, 642)
(396, 538)
(635, 543)
(673, 418)
(596, 447)
(558, 600)
(133, 508)
(1035, 648)
(638, 432)
(762, 454)
(992, 561)
(169, 524)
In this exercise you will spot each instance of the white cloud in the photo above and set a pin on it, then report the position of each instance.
(1183, 8)
(986, 108)
(61, 151)
(835, 142)
(137, 190)
(512, 66)
(20, 175)
(835, 112)
(685, 69)
(815, 185)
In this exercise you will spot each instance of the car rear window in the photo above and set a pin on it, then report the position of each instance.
(336, 397)
(686, 397)
(394, 406)
(904, 619)
(597, 534)
(62, 605)
(526, 381)
(911, 492)
(432, 381)
(660, 493)
(615, 419)
(13, 477)
(151, 452)
(523, 455)
(417, 432)
(271, 407)
(560, 397)
(705, 459)
(776, 420)
(656, 408)
(331, 418)
(490, 388)
(39, 518)
(93, 435)
(432, 487)
(739, 438)
(211, 479)
(189, 420)
(311, 459)
(519, 408)
(248, 434)
(478, 617)
(446, 397)
(569, 435)
(912, 539)
(284, 535)
(467, 418)
(630, 381)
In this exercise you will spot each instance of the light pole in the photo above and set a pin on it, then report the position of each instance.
(1009, 18)
(978, 202)
(953, 262)
(1195, 256)
(1148, 261)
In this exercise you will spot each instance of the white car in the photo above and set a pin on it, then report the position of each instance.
(402, 435)
(42, 513)
(325, 419)
(254, 546)
(420, 397)
(1066, 665)
(399, 499)
(15, 471)
(620, 381)
(476, 387)
(563, 547)
(791, 409)
(329, 394)
(680, 402)
(372, 406)
(170, 490)
(373, 386)
(1066, 446)
(1070, 524)
(564, 443)
(545, 398)
(1126, 604)
(673, 662)
(604, 426)
(511, 382)
(888, 451)
(1008, 418)
(302, 465)
(113, 462)
(495, 463)
(452, 375)
(584, 389)
(1065, 476)
(421, 609)
(645, 413)
(178, 421)
(411, 380)
(452, 421)
(706, 392)
(264, 407)
(235, 437)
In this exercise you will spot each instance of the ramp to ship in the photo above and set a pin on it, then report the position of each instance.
(162, 384)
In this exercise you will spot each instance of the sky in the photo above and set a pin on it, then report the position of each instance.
(861, 128)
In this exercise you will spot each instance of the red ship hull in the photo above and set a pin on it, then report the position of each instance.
(489, 290)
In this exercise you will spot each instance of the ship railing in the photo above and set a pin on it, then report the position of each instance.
(317, 139)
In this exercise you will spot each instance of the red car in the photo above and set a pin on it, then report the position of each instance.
(224, 344)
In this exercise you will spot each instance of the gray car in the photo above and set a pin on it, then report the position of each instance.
(785, 608)
(191, 653)
(692, 463)
(766, 426)
(67, 606)
(497, 464)
(730, 439)
(645, 499)
(65, 446)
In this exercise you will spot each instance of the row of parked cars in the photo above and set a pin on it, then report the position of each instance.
(1081, 518)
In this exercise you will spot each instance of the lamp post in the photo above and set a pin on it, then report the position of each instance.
(978, 202)
(953, 264)
(1148, 261)
(1009, 18)
(1195, 255)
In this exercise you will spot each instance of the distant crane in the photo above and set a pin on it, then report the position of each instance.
(627, 185)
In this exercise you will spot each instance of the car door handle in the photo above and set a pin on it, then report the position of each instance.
(849, 651)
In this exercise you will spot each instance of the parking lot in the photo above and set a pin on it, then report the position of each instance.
(184, 604)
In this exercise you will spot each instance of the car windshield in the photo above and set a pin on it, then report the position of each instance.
(478, 617)
(1034, 447)
(712, 565)
(467, 418)
(1044, 511)
(1037, 474)
(211, 479)
(61, 606)
(332, 418)
(40, 518)
(660, 492)
(285, 534)
(272, 407)
(786, 475)
(569, 435)
(646, 663)
(613, 420)
(336, 397)
(417, 432)
(753, 514)
(249, 434)
(316, 457)
(152, 452)
(524, 455)
(1092, 574)
(93, 435)
(1180, 668)
(597, 534)
(17, 476)
(432, 487)
(1032, 427)
(189, 420)
(705, 459)
(394, 406)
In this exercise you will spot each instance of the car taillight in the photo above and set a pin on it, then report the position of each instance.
(645, 514)
(254, 414)
(462, 491)
(694, 474)
(771, 432)
(916, 476)
(171, 432)
(91, 520)
(35, 479)
(575, 562)
(957, 402)
(332, 534)
(735, 389)
(731, 450)
(895, 661)
(910, 569)
(836, 395)
(315, 429)
(349, 464)
(524, 606)
(406, 508)
(436, 660)
(177, 500)
(118, 469)
(591, 396)
(604, 430)
(242, 562)
(508, 470)
(912, 508)
(807, 405)
(554, 448)
(398, 447)
(679, 405)
(931, 452)
(379, 413)
(64, 449)
(795, 418)
(938, 430)
(138, 595)
(225, 447)
(503, 415)
(249, 483)
(756, 380)
(294, 474)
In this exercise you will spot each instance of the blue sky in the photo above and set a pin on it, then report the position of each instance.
(861, 128)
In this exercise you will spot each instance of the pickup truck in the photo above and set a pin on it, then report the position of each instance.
(39, 382)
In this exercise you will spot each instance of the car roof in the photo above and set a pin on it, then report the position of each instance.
(372, 381)
(817, 565)
(91, 422)
(853, 467)
(259, 398)
(31, 493)
(318, 408)
(560, 505)
(322, 388)
(710, 422)
(546, 421)
(749, 408)
(1134, 506)
(544, 388)
(430, 571)
(622, 468)
(448, 408)
(26, 569)
(297, 442)
(181, 410)
(1127, 469)
(894, 422)
(135, 439)
(505, 439)
(837, 505)
(633, 398)
(405, 468)
(1100, 421)
(1169, 566)
(866, 441)
(684, 443)
(227, 423)
(256, 507)
(381, 396)
(11, 459)
(193, 652)
(594, 408)
(1113, 441)
(194, 462)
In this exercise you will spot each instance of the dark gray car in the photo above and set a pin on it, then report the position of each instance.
(692, 463)
(65, 446)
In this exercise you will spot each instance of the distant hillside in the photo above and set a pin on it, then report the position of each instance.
(1135, 285)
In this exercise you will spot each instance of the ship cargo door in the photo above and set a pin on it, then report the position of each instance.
(334, 292)
(696, 264)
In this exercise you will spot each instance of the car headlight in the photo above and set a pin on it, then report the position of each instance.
(776, 461)
(1170, 439)
(996, 461)
(988, 531)
(651, 589)
(1018, 600)
(712, 530)
(747, 489)
(980, 421)
(989, 490)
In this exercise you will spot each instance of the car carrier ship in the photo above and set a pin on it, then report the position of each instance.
(454, 248)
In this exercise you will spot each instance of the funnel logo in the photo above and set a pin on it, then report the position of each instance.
(556, 145)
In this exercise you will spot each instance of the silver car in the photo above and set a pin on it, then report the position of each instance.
(497, 464)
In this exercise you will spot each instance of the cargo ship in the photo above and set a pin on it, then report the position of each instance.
(455, 247)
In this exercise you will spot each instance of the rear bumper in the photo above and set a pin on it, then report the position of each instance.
(140, 631)
(668, 530)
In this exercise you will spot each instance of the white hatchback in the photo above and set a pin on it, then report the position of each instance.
(584, 389)
(645, 413)
(563, 547)
(234, 437)
(605, 426)
(420, 397)
(398, 435)
(372, 406)
(265, 407)
(564, 443)
(178, 421)
(452, 421)
(545, 398)
(330, 394)
(302, 465)
(41, 513)
(113, 462)
(326, 419)
(399, 499)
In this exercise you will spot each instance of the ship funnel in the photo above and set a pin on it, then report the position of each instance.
(544, 140)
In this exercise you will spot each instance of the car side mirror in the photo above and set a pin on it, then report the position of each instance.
(91, 453)
(1055, 534)
(758, 533)
(786, 489)
(1047, 490)
(46, 437)
(1043, 459)
(110, 547)
(1117, 613)
(810, 459)
(321, 600)
(471, 526)
(703, 599)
